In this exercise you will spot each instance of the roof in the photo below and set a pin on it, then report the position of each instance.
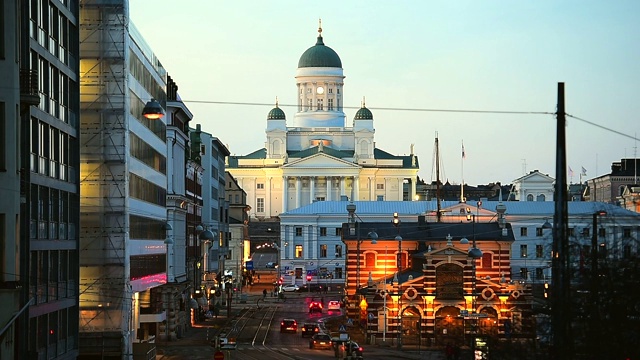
(363, 114)
(406, 159)
(276, 114)
(540, 208)
(319, 55)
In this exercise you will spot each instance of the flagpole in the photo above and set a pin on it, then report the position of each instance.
(462, 173)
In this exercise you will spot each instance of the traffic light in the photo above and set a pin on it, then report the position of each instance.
(546, 290)
(308, 277)
(396, 219)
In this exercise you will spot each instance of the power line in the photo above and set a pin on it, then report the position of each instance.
(602, 127)
(380, 108)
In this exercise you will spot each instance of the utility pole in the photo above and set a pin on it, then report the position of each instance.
(562, 339)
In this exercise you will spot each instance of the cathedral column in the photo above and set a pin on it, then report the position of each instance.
(268, 196)
(298, 190)
(342, 187)
(372, 188)
(306, 243)
(412, 194)
(401, 189)
(312, 189)
(285, 193)
(328, 188)
(356, 188)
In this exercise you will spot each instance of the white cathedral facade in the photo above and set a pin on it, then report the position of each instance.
(319, 157)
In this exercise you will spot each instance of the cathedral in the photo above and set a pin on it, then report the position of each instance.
(318, 157)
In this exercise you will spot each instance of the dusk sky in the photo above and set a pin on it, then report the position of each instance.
(419, 55)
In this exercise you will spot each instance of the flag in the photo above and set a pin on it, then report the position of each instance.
(570, 172)
(463, 155)
(584, 171)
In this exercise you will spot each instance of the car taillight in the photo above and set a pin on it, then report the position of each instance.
(360, 349)
(282, 323)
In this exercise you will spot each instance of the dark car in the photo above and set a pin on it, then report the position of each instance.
(315, 306)
(311, 288)
(320, 341)
(310, 329)
(288, 325)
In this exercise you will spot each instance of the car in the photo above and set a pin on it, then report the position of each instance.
(315, 306)
(310, 329)
(334, 305)
(271, 265)
(288, 325)
(311, 288)
(290, 287)
(320, 341)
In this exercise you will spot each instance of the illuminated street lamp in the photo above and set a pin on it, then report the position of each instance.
(153, 110)
(354, 229)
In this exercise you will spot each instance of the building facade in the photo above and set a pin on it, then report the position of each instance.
(318, 157)
(39, 217)
(535, 186)
(123, 185)
(610, 187)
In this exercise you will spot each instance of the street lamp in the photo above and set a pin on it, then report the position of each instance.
(595, 318)
(396, 223)
(153, 110)
(474, 253)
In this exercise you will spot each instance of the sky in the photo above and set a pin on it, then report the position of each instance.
(417, 64)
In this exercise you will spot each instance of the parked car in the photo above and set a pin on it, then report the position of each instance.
(311, 288)
(334, 305)
(355, 349)
(315, 306)
(320, 341)
(310, 329)
(290, 287)
(288, 325)
(271, 265)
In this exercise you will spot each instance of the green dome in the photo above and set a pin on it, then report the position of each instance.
(364, 114)
(276, 114)
(320, 56)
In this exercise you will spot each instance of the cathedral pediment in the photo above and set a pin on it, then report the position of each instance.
(320, 160)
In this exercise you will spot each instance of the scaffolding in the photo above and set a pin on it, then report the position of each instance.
(106, 297)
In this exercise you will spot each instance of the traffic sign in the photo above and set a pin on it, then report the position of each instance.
(248, 265)
(343, 328)
(219, 355)
(349, 321)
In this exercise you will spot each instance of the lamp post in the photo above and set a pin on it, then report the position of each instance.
(396, 223)
(474, 253)
(595, 318)
(354, 229)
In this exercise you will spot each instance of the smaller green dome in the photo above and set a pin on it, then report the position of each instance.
(363, 114)
(276, 114)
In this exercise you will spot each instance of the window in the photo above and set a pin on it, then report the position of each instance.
(585, 232)
(523, 251)
(338, 273)
(260, 186)
(539, 251)
(320, 198)
(602, 232)
(323, 250)
(529, 197)
(260, 205)
(626, 232)
(523, 231)
(237, 199)
(330, 90)
(572, 231)
(487, 260)
(298, 231)
(320, 104)
(338, 231)
(323, 231)
(626, 251)
(380, 198)
(338, 251)
(541, 197)
(330, 103)
(539, 231)
(380, 186)
(309, 104)
(3, 145)
(539, 273)
(298, 251)
(524, 273)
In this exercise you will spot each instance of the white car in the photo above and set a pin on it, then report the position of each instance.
(290, 287)
(333, 306)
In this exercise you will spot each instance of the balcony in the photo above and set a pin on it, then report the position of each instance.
(29, 94)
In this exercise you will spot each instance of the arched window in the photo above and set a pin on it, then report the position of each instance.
(370, 260)
(541, 197)
(530, 197)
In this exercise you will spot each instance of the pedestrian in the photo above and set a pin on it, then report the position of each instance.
(264, 294)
